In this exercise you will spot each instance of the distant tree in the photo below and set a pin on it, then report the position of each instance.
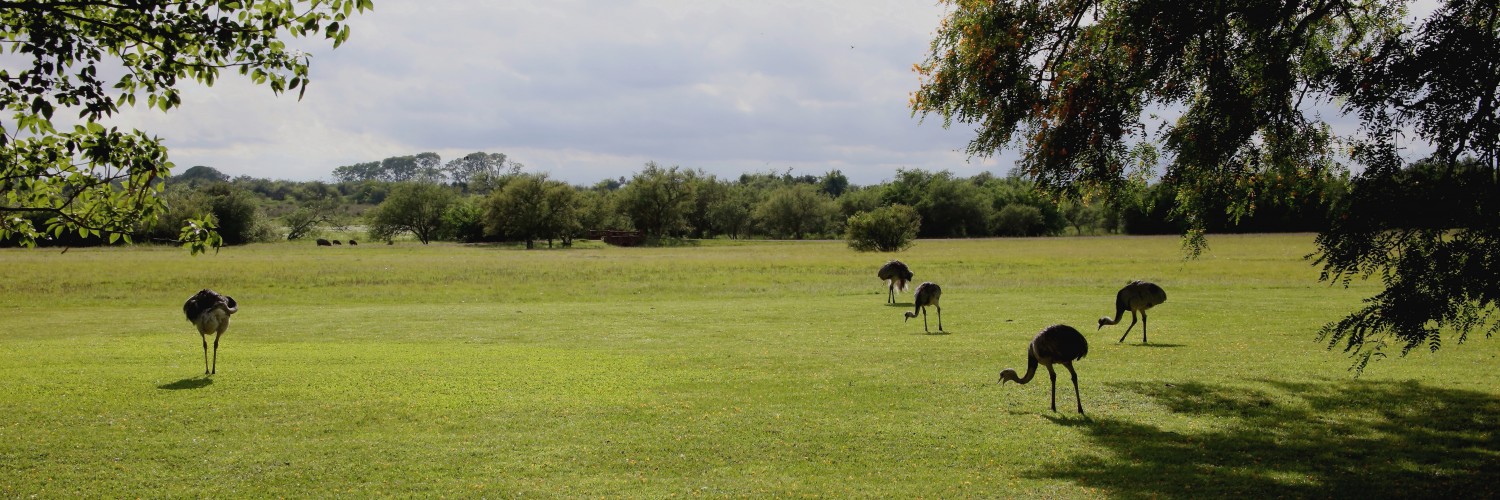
(1018, 219)
(199, 175)
(886, 229)
(731, 213)
(707, 192)
(479, 165)
(861, 200)
(414, 207)
(429, 168)
(834, 183)
(368, 192)
(1080, 215)
(94, 57)
(657, 200)
(424, 167)
(596, 210)
(464, 220)
(309, 215)
(796, 211)
(950, 207)
(360, 172)
(532, 207)
(237, 215)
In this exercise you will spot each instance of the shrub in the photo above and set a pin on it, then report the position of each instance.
(886, 229)
(1020, 220)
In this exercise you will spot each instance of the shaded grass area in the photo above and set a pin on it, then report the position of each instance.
(723, 370)
(1299, 439)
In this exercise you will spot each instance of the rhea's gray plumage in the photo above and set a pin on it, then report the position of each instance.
(928, 294)
(209, 311)
(896, 276)
(1056, 344)
(1136, 296)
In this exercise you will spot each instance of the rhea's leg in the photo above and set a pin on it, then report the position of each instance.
(1143, 327)
(1127, 329)
(1076, 396)
(216, 356)
(940, 317)
(1052, 374)
(205, 353)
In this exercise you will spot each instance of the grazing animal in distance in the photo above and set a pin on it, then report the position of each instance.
(1136, 296)
(324, 243)
(337, 242)
(1056, 344)
(352, 242)
(896, 276)
(928, 294)
(209, 311)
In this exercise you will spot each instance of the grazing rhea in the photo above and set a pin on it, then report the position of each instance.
(1137, 296)
(324, 243)
(352, 242)
(209, 311)
(896, 276)
(928, 294)
(337, 242)
(1057, 344)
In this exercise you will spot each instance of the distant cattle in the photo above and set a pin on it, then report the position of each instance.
(352, 242)
(324, 243)
(337, 242)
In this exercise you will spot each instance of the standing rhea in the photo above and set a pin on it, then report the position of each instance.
(896, 276)
(1057, 344)
(928, 294)
(209, 311)
(1137, 296)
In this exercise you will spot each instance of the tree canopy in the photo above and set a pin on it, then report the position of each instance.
(1077, 87)
(98, 180)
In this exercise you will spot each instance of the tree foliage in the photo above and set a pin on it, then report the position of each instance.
(532, 207)
(658, 200)
(1074, 84)
(795, 211)
(412, 207)
(885, 229)
(98, 180)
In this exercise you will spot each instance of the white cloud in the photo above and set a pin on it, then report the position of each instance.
(591, 90)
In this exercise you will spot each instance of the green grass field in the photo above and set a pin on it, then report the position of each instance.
(719, 369)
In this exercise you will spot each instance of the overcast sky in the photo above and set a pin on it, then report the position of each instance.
(588, 90)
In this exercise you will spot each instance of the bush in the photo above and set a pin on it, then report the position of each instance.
(886, 229)
(1020, 220)
(464, 220)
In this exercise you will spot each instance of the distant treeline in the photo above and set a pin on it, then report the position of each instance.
(486, 197)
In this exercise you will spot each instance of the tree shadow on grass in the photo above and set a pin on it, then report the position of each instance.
(187, 383)
(1308, 439)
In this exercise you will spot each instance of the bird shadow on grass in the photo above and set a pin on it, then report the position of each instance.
(1155, 345)
(903, 305)
(1298, 439)
(187, 383)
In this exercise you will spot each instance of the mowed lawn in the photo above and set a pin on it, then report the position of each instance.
(717, 369)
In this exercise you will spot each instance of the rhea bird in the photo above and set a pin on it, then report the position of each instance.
(928, 294)
(209, 311)
(896, 276)
(1137, 296)
(1056, 344)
